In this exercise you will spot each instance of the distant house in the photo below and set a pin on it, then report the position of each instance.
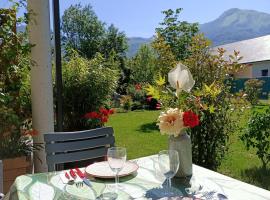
(256, 56)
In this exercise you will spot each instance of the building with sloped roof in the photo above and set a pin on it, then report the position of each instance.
(256, 60)
(255, 53)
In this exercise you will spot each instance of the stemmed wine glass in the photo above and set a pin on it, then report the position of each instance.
(168, 163)
(116, 158)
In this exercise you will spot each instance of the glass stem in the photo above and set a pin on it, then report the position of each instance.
(116, 181)
(169, 184)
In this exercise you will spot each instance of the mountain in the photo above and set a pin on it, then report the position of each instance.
(134, 44)
(235, 25)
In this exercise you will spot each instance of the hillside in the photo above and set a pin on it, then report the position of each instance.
(235, 25)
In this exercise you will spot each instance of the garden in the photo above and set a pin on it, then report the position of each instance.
(229, 132)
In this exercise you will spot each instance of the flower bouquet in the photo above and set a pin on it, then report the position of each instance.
(179, 115)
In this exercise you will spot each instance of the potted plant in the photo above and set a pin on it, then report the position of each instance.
(16, 145)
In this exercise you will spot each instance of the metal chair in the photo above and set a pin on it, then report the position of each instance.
(65, 147)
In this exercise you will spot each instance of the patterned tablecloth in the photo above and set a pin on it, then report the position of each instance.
(145, 184)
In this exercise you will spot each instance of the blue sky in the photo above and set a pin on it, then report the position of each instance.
(140, 17)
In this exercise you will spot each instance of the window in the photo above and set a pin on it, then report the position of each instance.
(265, 72)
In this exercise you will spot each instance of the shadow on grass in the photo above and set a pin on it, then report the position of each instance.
(149, 127)
(257, 176)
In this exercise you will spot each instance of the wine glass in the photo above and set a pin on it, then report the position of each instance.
(168, 163)
(116, 158)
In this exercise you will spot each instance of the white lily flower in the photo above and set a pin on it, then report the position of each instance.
(180, 78)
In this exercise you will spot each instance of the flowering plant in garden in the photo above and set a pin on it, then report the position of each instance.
(98, 118)
(174, 120)
(16, 139)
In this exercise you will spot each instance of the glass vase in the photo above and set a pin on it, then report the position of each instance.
(182, 144)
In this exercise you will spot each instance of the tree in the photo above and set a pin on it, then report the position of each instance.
(257, 135)
(85, 33)
(142, 66)
(82, 30)
(165, 58)
(253, 88)
(114, 42)
(177, 34)
(114, 45)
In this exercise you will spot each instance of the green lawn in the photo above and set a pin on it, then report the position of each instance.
(137, 132)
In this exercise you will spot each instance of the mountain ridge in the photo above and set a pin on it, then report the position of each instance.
(231, 26)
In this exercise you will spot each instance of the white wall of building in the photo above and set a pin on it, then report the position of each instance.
(258, 67)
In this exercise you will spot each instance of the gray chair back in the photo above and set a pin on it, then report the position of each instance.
(64, 147)
(1, 177)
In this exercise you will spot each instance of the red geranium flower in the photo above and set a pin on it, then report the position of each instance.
(92, 115)
(104, 119)
(190, 119)
(104, 111)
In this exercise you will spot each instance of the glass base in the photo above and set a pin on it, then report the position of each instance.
(108, 196)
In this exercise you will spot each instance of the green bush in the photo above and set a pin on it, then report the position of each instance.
(126, 102)
(214, 101)
(137, 93)
(253, 88)
(88, 85)
(257, 135)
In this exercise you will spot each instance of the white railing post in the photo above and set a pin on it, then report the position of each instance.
(41, 75)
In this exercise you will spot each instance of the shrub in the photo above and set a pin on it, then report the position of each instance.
(15, 103)
(253, 88)
(88, 85)
(126, 102)
(137, 93)
(257, 135)
(210, 72)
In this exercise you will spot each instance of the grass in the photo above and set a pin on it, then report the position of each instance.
(137, 131)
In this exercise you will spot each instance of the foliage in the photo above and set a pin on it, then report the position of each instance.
(165, 58)
(126, 102)
(88, 85)
(137, 93)
(253, 88)
(176, 33)
(142, 66)
(15, 104)
(85, 33)
(257, 135)
(82, 30)
(215, 105)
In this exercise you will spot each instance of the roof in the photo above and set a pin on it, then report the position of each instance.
(252, 50)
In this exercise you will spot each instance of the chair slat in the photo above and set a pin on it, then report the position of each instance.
(65, 136)
(78, 145)
(65, 147)
(76, 156)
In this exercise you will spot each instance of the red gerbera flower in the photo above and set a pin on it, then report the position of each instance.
(190, 119)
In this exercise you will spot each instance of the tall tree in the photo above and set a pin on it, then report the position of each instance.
(82, 30)
(114, 41)
(142, 65)
(176, 33)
